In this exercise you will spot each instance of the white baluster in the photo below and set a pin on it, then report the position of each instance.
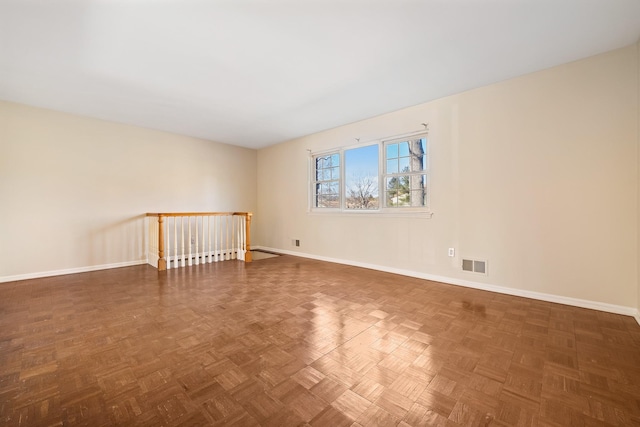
(235, 237)
(197, 246)
(223, 250)
(209, 229)
(216, 236)
(184, 259)
(175, 242)
(190, 262)
(239, 239)
(230, 245)
(229, 227)
(168, 245)
(202, 242)
(243, 237)
(243, 246)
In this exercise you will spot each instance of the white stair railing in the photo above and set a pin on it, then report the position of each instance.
(192, 238)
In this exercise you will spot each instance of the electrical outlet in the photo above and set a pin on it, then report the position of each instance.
(297, 242)
(452, 252)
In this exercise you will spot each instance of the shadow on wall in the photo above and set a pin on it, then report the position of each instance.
(119, 242)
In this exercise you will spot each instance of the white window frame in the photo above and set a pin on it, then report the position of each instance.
(421, 211)
(314, 181)
(384, 174)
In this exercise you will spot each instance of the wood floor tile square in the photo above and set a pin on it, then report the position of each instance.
(328, 390)
(376, 416)
(307, 405)
(331, 416)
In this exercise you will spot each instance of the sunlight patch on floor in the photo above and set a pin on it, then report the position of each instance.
(258, 255)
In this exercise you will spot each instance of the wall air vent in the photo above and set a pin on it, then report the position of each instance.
(474, 266)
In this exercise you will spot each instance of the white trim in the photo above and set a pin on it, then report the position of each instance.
(382, 210)
(377, 213)
(152, 259)
(41, 274)
(576, 302)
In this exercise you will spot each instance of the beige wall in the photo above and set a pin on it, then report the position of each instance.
(73, 190)
(538, 175)
(638, 200)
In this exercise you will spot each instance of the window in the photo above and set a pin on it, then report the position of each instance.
(405, 175)
(361, 177)
(327, 181)
(385, 176)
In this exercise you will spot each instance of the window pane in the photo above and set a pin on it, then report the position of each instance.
(418, 186)
(398, 192)
(327, 177)
(327, 201)
(403, 200)
(392, 166)
(393, 183)
(418, 198)
(404, 149)
(392, 198)
(406, 191)
(392, 151)
(417, 182)
(417, 149)
(410, 156)
(333, 188)
(335, 173)
(361, 177)
(403, 164)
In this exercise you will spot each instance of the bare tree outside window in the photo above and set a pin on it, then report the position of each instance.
(361, 175)
(363, 193)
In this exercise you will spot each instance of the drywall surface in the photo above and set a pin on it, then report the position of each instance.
(74, 190)
(537, 175)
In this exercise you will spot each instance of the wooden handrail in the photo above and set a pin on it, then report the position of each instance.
(199, 214)
(162, 262)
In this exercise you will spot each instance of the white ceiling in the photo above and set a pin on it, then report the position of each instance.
(258, 72)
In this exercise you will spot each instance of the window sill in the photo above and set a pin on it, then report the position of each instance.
(372, 213)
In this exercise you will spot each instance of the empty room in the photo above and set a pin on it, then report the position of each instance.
(294, 213)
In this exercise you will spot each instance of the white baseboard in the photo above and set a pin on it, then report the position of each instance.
(594, 305)
(70, 271)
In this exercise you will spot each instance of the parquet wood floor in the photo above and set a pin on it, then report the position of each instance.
(289, 341)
